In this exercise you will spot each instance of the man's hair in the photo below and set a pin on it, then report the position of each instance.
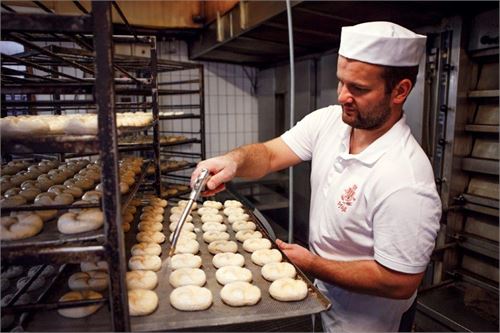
(392, 75)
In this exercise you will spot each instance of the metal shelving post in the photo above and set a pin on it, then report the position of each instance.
(156, 115)
(108, 149)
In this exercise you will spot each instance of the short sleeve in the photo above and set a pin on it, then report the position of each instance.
(303, 136)
(405, 225)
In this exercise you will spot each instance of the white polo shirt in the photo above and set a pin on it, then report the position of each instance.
(380, 204)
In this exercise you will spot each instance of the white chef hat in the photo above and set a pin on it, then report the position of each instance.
(382, 43)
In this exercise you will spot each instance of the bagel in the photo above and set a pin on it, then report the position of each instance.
(20, 226)
(141, 280)
(207, 210)
(213, 204)
(144, 263)
(228, 259)
(222, 246)
(150, 236)
(240, 294)
(212, 218)
(185, 260)
(233, 211)
(243, 225)
(187, 226)
(146, 248)
(86, 266)
(266, 256)
(237, 217)
(191, 298)
(213, 226)
(174, 218)
(278, 270)
(229, 274)
(83, 311)
(91, 280)
(186, 245)
(150, 226)
(287, 290)
(86, 220)
(254, 244)
(142, 302)
(211, 236)
(232, 203)
(187, 277)
(243, 235)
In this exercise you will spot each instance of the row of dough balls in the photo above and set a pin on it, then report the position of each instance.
(145, 260)
(71, 124)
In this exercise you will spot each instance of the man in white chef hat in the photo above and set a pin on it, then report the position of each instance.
(374, 209)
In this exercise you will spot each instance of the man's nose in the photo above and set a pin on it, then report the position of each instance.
(344, 96)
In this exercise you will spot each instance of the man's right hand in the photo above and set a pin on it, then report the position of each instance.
(222, 169)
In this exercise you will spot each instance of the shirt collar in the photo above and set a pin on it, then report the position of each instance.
(376, 149)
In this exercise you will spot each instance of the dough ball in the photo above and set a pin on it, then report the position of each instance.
(228, 259)
(187, 226)
(254, 244)
(185, 260)
(278, 270)
(207, 210)
(142, 302)
(213, 204)
(240, 294)
(144, 263)
(186, 245)
(211, 236)
(191, 298)
(222, 246)
(232, 203)
(287, 289)
(233, 210)
(212, 218)
(141, 280)
(187, 277)
(213, 226)
(146, 248)
(150, 237)
(243, 235)
(266, 256)
(243, 225)
(229, 274)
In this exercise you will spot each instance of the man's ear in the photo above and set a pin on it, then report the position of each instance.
(401, 91)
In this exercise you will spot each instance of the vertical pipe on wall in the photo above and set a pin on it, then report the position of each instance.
(292, 117)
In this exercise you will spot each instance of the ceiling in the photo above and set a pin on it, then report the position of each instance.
(255, 32)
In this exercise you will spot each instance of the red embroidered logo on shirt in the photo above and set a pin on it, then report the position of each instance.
(347, 198)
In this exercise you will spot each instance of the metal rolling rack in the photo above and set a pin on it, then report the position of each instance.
(464, 292)
(96, 69)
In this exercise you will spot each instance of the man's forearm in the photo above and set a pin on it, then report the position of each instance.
(253, 160)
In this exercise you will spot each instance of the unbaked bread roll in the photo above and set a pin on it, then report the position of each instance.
(191, 298)
(222, 246)
(146, 248)
(254, 244)
(183, 203)
(211, 236)
(150, 226)
(83, 311)
(229, 274)
(233, 211)
(141, 280)
(86, 266)
(237, 217)
(20, 226)
(185, 260)
(187, 277)
(207, 210)
(213, 226)
(187, 226)
(86, 220)
(228, 259)
(213, 204)
(243, 235)
(178, 210)
(240, 294)
(212, 218)
(142, 302)
(144, 263)
(287, 290)
(232, 203)
(174, 218)
(278, 270)
(150, 236)
(266, 256)
(91, 280)
(186, 245)
(184, 234)
(243, 225)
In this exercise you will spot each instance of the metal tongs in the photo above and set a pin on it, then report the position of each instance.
(198, 187)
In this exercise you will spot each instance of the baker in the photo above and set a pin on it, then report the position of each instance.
(375, 210)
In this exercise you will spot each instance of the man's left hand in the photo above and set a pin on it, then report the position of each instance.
(299, 255)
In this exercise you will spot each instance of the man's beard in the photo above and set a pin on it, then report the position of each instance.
(371, 119)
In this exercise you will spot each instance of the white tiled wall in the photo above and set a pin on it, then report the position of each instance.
(230, 102)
